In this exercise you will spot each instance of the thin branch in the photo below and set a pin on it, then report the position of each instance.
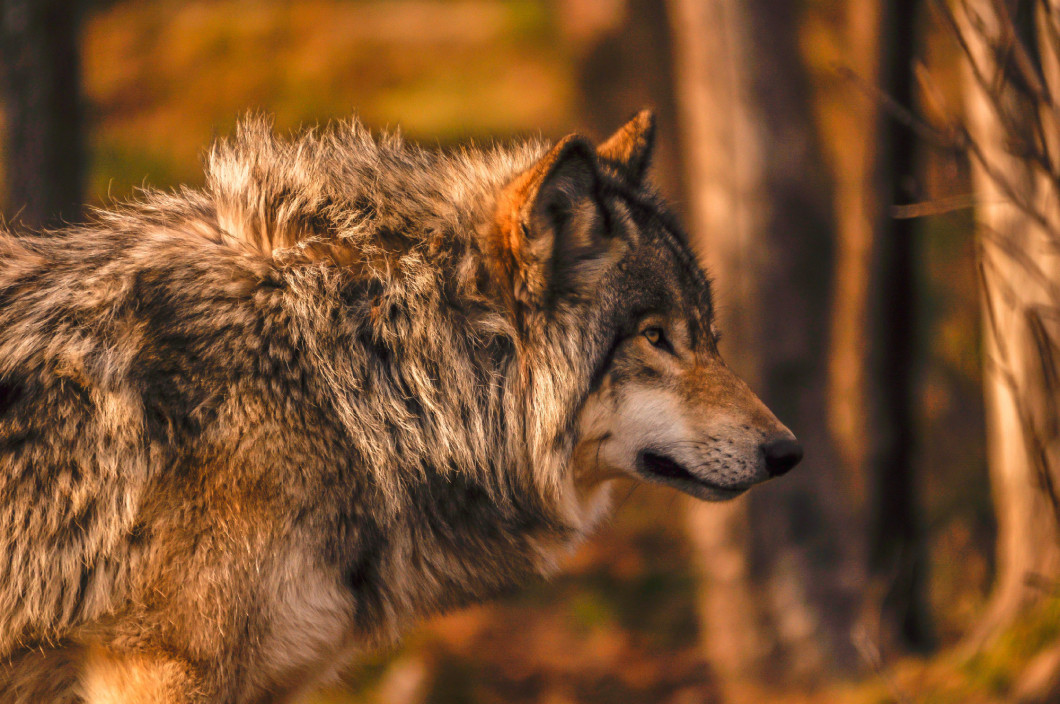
(1003, 184)
(937, 206)
(905, 116)
(1010, 246)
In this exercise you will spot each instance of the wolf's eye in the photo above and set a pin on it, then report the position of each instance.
(658, 339)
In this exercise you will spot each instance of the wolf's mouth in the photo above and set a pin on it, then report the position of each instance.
(663, 466)
(669, 470)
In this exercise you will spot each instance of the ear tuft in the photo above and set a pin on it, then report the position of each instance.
(569, 179)
(630, 147)
(547, 213)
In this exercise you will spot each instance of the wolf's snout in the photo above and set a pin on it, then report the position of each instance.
(781, 454)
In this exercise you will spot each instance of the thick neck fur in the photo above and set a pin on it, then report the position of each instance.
(404, 234)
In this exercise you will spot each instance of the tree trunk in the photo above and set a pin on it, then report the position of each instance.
(629, 68)
(1019, 276)
(44, 159)
(873, 370)
(782, 567)
(897, 544)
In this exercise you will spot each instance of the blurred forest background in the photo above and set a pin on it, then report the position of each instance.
(873, 185)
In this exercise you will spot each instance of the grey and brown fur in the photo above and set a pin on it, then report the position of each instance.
(248, 430)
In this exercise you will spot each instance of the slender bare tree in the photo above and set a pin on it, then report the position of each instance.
(873, 374)
(782, 569)
(631, 67)
(40, 77)
(1012, 134)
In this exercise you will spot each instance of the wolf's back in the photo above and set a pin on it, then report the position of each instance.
(109, 364)
(72, 459)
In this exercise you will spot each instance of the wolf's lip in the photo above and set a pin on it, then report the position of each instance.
(668, 469)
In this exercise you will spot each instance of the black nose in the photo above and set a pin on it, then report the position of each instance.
(781, 455)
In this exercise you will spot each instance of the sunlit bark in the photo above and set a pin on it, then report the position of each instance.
(1019, 235)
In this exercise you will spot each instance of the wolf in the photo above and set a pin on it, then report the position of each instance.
(250, 429)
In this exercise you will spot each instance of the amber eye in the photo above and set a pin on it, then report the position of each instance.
(655, 336)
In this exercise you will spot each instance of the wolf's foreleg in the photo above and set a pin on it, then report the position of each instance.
(78, 674)
(107, 677)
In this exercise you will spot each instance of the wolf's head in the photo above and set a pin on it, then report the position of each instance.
(589, 246)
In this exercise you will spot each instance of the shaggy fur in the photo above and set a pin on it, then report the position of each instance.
(351, 382)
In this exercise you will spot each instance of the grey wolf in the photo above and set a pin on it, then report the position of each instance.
(248, 430)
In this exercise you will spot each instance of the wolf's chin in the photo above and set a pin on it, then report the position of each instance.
(665, 470)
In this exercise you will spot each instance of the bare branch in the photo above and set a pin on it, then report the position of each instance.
(938, 206)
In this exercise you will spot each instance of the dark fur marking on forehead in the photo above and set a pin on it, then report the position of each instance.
(675, 238)
(673, 235)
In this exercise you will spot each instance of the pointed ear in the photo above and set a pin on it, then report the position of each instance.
(551, 221)
(630, 147)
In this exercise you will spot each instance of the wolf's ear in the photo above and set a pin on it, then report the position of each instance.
(551, 221)
(630, 147)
